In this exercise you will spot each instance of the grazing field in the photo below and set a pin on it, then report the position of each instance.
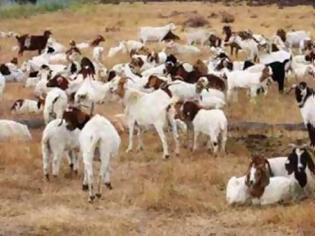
(184, 195)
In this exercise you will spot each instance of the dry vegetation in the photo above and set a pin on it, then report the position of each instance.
(182, 196)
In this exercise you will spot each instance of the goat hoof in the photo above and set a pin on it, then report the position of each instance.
(109, 186)
(166, 156)
(47, 177)
(177, 154)
(71, 166)
(128, 150)
(55, 176)
(76, 172)
(85, 187)
(91, 199)
(98, 195)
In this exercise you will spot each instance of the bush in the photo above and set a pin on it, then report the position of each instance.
(227, 17)
(26, 10)
(196, 21)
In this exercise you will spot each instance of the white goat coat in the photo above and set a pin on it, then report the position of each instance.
(98, 132)
(139, 106)
(183, 90)
(308, 112)
(279, 56)
(212, 98)
(277, 165)
(56, 140)
(121, 48)
(2, 85)
(210, 122)
(236, 191)
(92, 91)
(13, 129)
(197, 36)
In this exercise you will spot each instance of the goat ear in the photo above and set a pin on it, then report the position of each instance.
(266, 180)
(81, 117)
(288, 166)
(310, 164)
(247, 179)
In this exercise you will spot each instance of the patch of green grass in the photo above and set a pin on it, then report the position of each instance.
(42, 6)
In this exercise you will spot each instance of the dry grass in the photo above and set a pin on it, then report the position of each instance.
(182, 196)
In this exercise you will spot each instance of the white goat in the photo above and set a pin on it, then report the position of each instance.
(182, 49)
(147, 109)
(98, 133)
(297, 39)
(197, 36)
(121, 48)
(25, 106)
(55, 104)
(212, 98)
(98, 53)
(92, 91)
(249, 45)
(57, 141)
(212, 123)
(187, 91)
(245, 79)
(155, 33)
(132, 45)
(12, 129)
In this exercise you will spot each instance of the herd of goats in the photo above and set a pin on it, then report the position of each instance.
(159, 91)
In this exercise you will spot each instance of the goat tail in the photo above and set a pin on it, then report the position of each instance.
(46, 148)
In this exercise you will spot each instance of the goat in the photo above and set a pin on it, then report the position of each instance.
(97, 133)
(56, 141)
(12, 129)
(212, 123)
(245, 79)
(294, 38)
(33, 42)
(155, 33)
(180, 89)
(182, 49)
(121, 48)
(197, 36)
(300, 165)
(55, 104)
(305, 98)
(147, 109)
(265, 190)
(25, 106)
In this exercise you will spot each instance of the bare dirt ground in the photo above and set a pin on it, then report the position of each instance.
(181, 196)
